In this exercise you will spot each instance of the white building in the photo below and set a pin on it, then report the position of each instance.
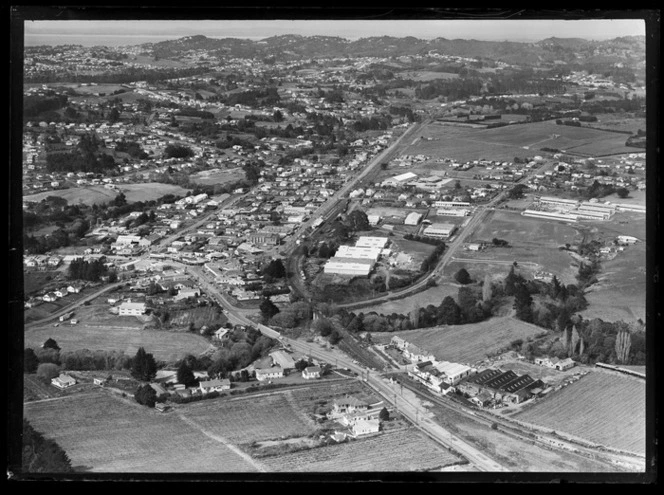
(413, 218)
(349, 266)
(440, 230)
(399, 179)
(453, 373)
(453, 212)
(365, 253)
(373, 242)
(566, 217)
(451, 204)
(131, 309)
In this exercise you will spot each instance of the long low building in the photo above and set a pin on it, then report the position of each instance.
(440, 230)
(453, 212)
(560, 202)
(566, 217)
(349, 266)
(372, 242)
(628, 207)
(365, 253)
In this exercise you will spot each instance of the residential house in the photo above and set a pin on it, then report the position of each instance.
(131, 309)
(272, 373)
(215, 385)
(63, 381)
(366, 427)
(311, 372)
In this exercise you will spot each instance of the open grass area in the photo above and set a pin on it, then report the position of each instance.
(221, 176)
(90, 195)
(433, 295)
(603, 407)
(504, 143)
(533, 242)
(466, 343)
(166, 346)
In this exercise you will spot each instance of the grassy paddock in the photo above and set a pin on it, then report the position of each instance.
(166, 346)
(90, 195)
(466, 343)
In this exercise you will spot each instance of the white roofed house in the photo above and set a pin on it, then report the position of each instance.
(311, 372)
(131, 308)
(366, 427)
(272, 373)
(216, 385)
(63, 381)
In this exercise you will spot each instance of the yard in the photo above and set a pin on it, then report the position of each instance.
(219, 176)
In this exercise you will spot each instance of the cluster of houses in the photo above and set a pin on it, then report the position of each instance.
(360, 417)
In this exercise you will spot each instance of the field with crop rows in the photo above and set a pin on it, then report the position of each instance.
(249, 419)
(466, 343)
(397, 451)
(166, 346)
(102, 432)
(604, 407)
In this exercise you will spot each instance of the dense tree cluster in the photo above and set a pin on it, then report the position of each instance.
(178, 151)
(92, 271)
(42, 455)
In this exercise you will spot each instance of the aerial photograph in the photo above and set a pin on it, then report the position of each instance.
(336, 249)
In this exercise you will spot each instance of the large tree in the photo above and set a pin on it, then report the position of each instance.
(185, 375)
(463, 277)
(146, 395)
(523, 303)
(358, 220)
(268, 309)
(143, 366)
(51, 344)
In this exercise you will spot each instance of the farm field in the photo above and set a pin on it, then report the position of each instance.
(102, 432)
(166, 346)
(99, 194)
(466, 343)
(504, 143)
(405, 450)
(515, 454)
(604, 407)
(214, 177)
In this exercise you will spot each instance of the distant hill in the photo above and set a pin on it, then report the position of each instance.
(628, 50)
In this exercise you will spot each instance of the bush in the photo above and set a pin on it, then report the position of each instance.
(48, 371)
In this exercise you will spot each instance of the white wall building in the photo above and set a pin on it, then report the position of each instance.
(349, 266)
(440, 230)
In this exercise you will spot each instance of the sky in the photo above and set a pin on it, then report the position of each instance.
(493, 30)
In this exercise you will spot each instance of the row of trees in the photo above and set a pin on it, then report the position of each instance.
(92, 271)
